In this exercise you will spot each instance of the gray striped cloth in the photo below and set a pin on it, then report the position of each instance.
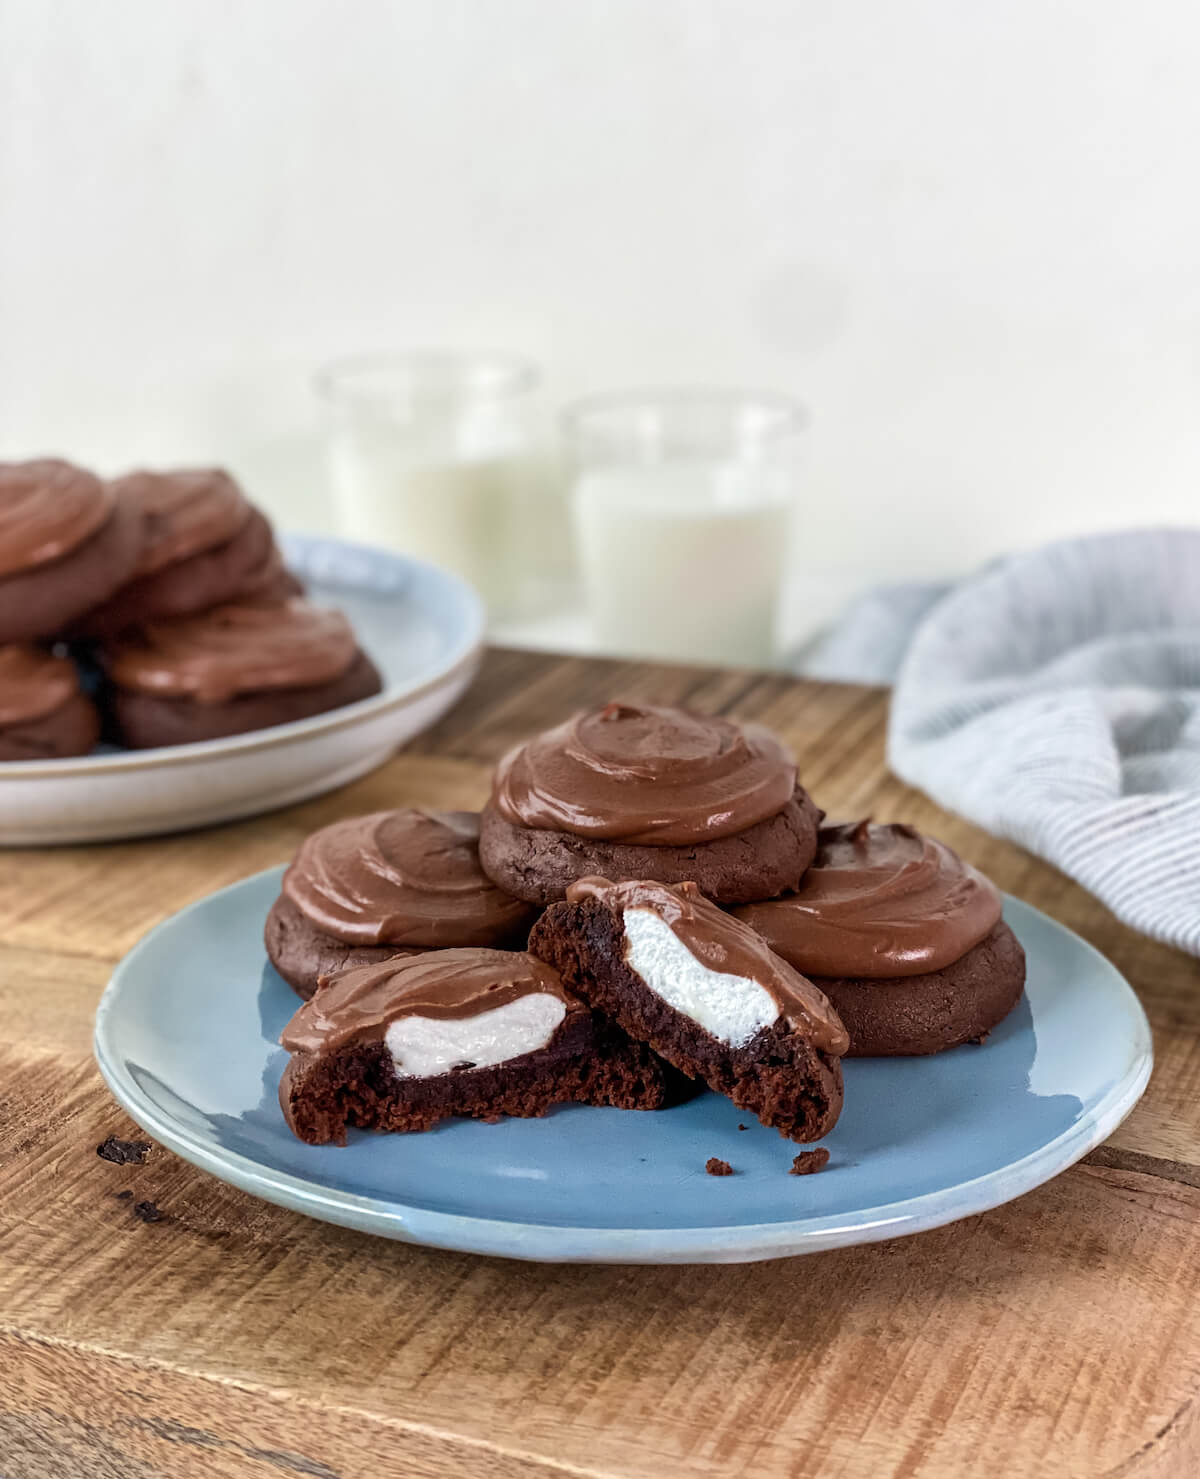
(1055, 700)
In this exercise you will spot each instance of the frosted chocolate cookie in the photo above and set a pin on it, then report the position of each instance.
(203, 544)
(903, 937)
(236, 668)
(405, 1043)
(43, 713)
(365, 889)
(638, 791)
(705, 992)
(66, 543)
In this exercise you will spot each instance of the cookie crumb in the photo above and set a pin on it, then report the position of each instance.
(123, 1196)
(123, 1152)
(715, 1167)
(147, 1212)
(980, 1040)
(810, 1161)
(743, 1127)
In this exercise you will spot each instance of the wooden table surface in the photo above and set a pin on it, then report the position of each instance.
(1059, 1335)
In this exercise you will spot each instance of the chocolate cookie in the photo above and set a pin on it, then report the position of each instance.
(902, 935)
(395, 882)
(705, 992)
(66, 544)
(43, 714)
(231, 670)
(633, 792)
(484, 1033)
(303, 954)
(203, 544)
(758, 863)
(935, 1010)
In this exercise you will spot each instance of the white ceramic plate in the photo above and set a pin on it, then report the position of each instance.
(187, 1037)
(421, 626)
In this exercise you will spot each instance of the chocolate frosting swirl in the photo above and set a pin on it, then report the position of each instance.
(409, 877)
(33, 683)
(183, 512)
(644, 774)
(47, 509)
(244, 647)
(358, 1005)
(878, 902)
(723, 943)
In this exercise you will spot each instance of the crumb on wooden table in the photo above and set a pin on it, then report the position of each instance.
(123, 1152)
(716, 1167)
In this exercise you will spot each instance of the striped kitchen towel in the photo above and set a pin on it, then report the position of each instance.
(1055, 699)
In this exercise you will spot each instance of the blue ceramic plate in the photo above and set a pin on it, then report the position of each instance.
(186, 1039)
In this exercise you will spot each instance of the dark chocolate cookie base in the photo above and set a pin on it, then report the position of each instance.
(759, 863)
(46, 601)
(778, 1075)
(241, 566)
(72, 729)
(143, 721)
(917, 1015)
(302, 953)
(589, 1062)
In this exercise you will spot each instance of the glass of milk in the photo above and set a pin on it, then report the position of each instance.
(431, 453)
(681, 504)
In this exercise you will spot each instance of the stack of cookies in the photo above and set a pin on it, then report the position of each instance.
(649, 903)
(155, 608)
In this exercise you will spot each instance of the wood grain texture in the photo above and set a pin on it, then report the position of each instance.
(1056, 1336)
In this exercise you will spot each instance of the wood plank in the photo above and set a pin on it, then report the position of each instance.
(219, 1428)
(909, 1357)
(1059, 1335)
(100, 900)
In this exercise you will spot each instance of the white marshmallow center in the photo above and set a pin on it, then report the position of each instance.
(730, 1008)
(424, 1046)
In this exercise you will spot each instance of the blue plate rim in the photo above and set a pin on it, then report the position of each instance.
(545, 1242)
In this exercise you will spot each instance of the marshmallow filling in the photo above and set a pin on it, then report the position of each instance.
(423, 1047)
(730, 1008)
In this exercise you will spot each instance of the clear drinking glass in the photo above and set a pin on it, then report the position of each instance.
(681, 506)
(431, 453)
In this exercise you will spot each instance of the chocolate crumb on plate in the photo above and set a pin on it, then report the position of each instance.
(808, 1162)
(716, 1167)
(123, 1152)
(743, 1127)
(148, 1212)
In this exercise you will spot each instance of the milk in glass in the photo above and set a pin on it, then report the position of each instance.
(431, 455)
(683, 561)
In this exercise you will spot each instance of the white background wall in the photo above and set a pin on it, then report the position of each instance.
(966, 233)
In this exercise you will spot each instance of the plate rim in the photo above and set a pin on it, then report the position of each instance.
(551, 1242)
(466, 652)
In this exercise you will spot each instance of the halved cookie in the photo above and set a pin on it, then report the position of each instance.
(705, 992)
(482, 1033)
